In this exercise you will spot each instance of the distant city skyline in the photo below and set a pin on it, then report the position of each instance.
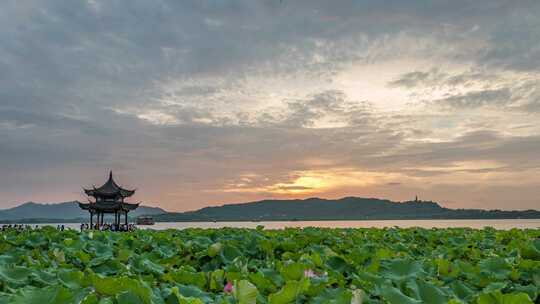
(199, 103)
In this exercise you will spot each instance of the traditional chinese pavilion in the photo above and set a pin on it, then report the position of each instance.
(109, 198)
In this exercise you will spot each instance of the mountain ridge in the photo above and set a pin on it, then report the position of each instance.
(59, 211)
(346, 208)
(313, 208)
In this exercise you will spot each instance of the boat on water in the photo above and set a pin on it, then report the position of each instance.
(145, 220)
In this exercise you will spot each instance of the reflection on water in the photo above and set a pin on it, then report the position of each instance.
(479, 224)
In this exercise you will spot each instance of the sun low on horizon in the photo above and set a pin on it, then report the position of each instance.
(202, 103)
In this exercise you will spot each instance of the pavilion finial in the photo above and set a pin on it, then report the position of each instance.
(110, 174)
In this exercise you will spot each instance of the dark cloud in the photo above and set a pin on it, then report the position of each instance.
(473, 89)
(294, 188)
(176, 94)
(436, 78)
(414, 79)
(511, 152)
(477, 99)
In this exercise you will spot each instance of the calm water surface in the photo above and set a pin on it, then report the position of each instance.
(497, 224)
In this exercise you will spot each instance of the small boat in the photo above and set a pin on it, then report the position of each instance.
(145, 220)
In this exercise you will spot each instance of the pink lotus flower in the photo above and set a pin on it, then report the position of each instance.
(228, 288)
(308, 273)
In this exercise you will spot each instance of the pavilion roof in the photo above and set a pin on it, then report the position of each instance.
(109, 206)
(109, 189)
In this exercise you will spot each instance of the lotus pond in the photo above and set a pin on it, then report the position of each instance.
(245, 266)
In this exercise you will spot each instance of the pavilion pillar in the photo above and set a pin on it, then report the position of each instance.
(91, 219)
(126, 219)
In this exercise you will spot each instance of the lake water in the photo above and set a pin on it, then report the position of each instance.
(478, 224)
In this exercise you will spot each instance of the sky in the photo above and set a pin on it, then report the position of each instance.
(199, 103)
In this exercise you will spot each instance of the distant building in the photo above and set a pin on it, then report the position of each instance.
(109, 198)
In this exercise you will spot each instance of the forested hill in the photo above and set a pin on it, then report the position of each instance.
(58, 211)
(348, 208)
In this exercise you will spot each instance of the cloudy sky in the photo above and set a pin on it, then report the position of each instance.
(200, 103)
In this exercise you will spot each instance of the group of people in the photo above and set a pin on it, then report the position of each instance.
(18, 227)
(108, 227)
(102, 227)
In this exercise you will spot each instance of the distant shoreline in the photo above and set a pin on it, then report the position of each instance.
(79, 221)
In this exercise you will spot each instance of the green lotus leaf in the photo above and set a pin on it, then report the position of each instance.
(184, 291)
(128, 297)
(496, 267)
(71, 278)
(289, 292)
(5, 297)
(46, 295)
(462, 290)
(431, 294)
(90, 298)
(214, 249)
(500, 298)
(106, 285)
(8, 258)
(35, 240)
(101, 249)
(143, 264)
(245, 292)
(399, 269)
(336, 296)
(383, 253)
(274, 276)
(100, 260)
(186, 277)
(394, 296)
(531, 250)
(14, 275)
(123, 255)
(494, 286)
(446, 268)
(292, 270)
(112, 286)
(84, 257)
(263, 283)
(42, 277)
(106, 301)
(531, 290)
(229, 253)
(338, 264)
(216, 279)
(110, 267)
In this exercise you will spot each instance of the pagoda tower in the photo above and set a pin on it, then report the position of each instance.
(109, 198)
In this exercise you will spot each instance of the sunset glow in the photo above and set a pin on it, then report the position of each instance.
(314, 182)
